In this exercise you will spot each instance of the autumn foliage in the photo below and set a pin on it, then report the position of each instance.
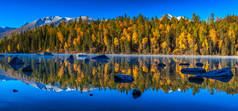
(137, 35)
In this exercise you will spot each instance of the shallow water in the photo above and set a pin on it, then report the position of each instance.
(57, 84)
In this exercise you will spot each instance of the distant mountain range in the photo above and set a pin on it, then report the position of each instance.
(6, 31)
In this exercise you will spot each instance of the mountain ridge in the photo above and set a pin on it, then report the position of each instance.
(40, 22)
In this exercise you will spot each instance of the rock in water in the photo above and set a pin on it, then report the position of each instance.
(197, 80)
(1, 56)
(218, 73)
(48, 54)
(123, 79)
(16, 63)
(184, 64)
(87, 60)
(193, 71)
(101, 58)
(71, 59)
(14, 90)
(224, 75)
(199, 64)
(161, 65)
(136, 93)
(27, 70)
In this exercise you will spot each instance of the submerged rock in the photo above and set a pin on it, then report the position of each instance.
(161, 65)
(38, 54)
(87, 60)
(123, 78)
(1, 55)
(219, 72)
(193, 70)
(199, 64)
(48, 54)
(16, 63)
(222, 78)
(71, 59)
(101, 58)
(223, 75)
(136, 93)
(197, 80)
(133, 61)
(14, 90)
(27, 70)
(184, 64)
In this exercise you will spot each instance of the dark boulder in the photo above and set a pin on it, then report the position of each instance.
(136, 93)
(224, 75)
(199, 64)
(27, 70)
(184, 64)
(14, 90)
(193, 71)
(133, 61)
(71, 59)
(197, 80)
(161, 65)
(16, 63)
(101, 58)
(222, 78)
(48, 54)
(87, 60)
(123, 78)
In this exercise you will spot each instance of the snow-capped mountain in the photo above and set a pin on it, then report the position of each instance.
(4, 29)
(52, 20)
(170, 17)
(43, 21)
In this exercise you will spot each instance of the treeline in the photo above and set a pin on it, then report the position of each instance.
(137, 35)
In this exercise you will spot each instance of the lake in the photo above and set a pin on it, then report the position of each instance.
(56, 84)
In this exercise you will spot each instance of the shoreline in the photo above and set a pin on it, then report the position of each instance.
(135, 55)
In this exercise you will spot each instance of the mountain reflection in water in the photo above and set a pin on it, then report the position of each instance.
(58, 74)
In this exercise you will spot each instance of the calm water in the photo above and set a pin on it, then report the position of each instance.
(57, 84)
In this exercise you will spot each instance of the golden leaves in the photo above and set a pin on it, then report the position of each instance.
(213, 35)
(60, 36)
(93, 38)
(135, 38)
(164, 44)
(116, 41)
(61, 72)
(145, 40)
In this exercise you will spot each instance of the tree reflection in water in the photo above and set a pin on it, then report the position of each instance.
(81, 74)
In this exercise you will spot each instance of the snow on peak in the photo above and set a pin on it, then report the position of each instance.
(53, 20)
(170, 17)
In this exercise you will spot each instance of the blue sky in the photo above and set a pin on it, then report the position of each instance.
(15, 13)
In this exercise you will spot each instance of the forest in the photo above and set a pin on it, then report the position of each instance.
(131, 35)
